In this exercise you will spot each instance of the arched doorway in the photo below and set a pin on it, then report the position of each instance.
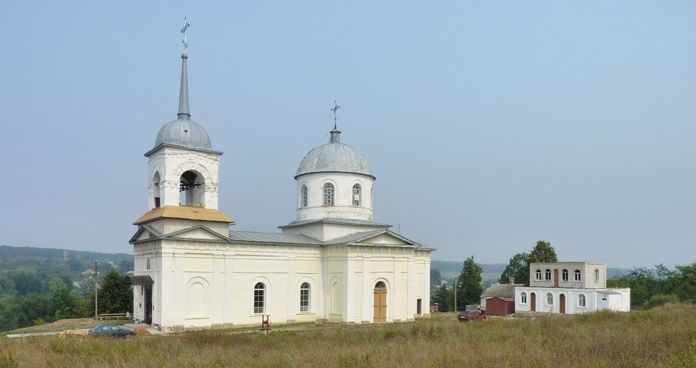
(191, 189)
(532, 296)
(380, 302)
(562, 303)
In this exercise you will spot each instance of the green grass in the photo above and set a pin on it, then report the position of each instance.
(660, 337)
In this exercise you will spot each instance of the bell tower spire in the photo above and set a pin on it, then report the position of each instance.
(184, 112)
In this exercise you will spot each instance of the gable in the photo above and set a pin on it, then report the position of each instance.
(199, 232)
(385, 239)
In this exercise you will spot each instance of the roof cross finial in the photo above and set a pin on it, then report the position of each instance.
(183, 33)
(334, 109)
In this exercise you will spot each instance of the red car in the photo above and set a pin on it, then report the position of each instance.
(470, 315)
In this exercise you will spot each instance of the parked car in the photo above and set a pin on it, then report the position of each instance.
(470, 315)
(111, 331)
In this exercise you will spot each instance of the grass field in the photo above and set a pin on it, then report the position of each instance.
(661, 337)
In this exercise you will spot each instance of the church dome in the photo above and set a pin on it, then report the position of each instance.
(334, 157)
(185, 133)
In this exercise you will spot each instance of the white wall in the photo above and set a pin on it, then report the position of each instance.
(343, 207)
(224, 275)
(619, 300)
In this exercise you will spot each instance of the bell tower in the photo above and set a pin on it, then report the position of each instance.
(183, 166)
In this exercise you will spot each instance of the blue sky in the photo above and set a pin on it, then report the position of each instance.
(489, 124)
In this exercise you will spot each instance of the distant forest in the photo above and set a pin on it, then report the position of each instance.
(40, 285)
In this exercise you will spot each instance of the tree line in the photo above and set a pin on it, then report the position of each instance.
(31, 295)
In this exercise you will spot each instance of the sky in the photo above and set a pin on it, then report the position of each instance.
(489, 124)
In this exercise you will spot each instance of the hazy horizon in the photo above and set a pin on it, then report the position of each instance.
(489, 125)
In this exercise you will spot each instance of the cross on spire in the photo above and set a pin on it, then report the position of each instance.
(334, 109)
(183, 33)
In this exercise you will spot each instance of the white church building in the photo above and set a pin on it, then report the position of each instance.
(332, 263)
(570, 288)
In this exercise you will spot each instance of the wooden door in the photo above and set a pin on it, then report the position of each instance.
(380, 306)
(532, 296)
(562, 304)
(555, 278)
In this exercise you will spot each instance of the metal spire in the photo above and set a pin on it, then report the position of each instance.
(335, 133)
(183, 91)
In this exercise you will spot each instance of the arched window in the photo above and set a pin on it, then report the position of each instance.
(582, 300)
(548, 274)
(329, 192)
(304, 297)
(357, 195)
(578, 275)
(538, 274)
(156, 189)
(380, 286)
(596, 275)
(564, 274)
(191, 189)
(523, 298)
(259, 297)
(549, 299)
(305, 196)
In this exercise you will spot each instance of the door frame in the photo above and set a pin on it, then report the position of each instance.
(532, 299)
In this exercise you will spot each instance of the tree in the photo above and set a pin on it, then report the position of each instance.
(115, 294)
(435, 278)
(517, 270)
(443, 297)
(543, 252)
(468, 284)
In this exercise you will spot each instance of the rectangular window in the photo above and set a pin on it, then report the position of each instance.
(304, 300)
(148, 263)
(258, 301)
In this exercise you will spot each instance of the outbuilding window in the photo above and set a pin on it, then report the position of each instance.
(523, 298)
(305, 196)
(564, 274)
(596, 275)
(538, 274)
(582, 300)
(549, 299)
(329, 192)
(548, 274)
(578, 275)
(259, 297)
(304, 297)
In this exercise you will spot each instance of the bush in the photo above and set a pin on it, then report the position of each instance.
(661, 299)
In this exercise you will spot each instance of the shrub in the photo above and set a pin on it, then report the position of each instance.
(661, 299)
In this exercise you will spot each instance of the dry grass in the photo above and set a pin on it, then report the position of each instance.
(660, 337)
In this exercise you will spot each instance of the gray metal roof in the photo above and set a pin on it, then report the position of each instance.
(183, 132)
(500, 290)
(259, 237)
(335, 221)
(334, 157)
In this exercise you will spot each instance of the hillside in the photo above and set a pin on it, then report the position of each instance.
(40, 254)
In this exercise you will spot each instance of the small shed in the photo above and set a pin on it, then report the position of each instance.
(498, 290)
(500, 306)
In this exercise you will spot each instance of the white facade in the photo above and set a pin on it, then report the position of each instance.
(570, 288)
(332, 263)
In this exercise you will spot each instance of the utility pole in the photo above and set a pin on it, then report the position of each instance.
(96, 287)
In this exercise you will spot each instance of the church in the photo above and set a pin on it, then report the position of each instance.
(333, 262)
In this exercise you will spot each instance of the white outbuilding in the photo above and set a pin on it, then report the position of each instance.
(333, 262)
(570, 288)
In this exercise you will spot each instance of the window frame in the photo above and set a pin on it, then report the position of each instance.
(578, 275)
(259, 298)
(549, 299)
(547, 275)
(305, 297)
(565, 275)
(328, 194)
(582, 300)
(523, 297)
(358, 194)
(304, 196)
(538, 274)
(596, 275)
